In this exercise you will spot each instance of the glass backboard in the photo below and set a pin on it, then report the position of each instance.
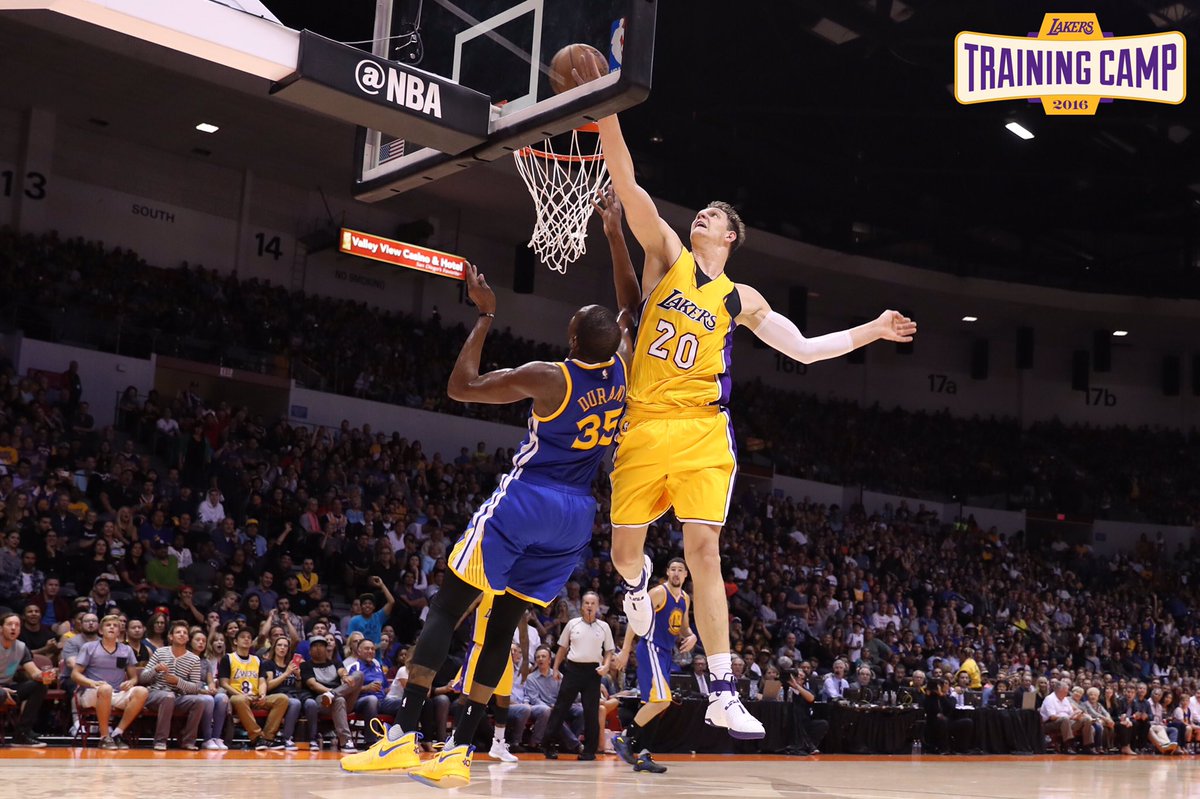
(503, 48)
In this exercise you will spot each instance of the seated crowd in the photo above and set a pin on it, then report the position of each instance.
(276, 575)
(348, 348)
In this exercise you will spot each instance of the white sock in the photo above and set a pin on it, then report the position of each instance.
(719, 666)
(499, 735)
(117, 731)
(394, 733)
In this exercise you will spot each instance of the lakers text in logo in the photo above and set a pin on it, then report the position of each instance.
(1070, 64)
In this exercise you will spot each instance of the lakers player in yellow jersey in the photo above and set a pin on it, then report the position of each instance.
(677, 447)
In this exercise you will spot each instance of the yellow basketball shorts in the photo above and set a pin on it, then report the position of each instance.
(687, 461)
(465, 679)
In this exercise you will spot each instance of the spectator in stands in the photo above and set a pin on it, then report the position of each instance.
(520, 711)
(700, 674)
(738, 667)
(27, 695)
(99, 669)
(210, 737)
(281, 670)
(308, 579)
(135, 639)
(370, 621)
(1100, 716)
(835, 682)
(139, 606)
(40, 639)
(373, 686)
(162, 573)
(789, 649)
(176, 684)
(1061, 718)
(101, 601)
(211, 512)
(54, 606)
(541, 691)
(240, 675)
(330, 691)
(157, 629)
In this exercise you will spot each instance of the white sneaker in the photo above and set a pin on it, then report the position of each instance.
(211, 745)
(637, 602)
(500, 751)
(289, 745)
(224, 746)
(725, 709)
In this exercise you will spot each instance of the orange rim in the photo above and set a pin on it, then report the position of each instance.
(590, 127)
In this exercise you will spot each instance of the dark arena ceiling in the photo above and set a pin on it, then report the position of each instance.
(834, 122)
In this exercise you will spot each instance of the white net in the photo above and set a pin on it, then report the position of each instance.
(563, 186)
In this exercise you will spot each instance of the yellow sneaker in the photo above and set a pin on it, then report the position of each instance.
(450, 769)
(385, 754)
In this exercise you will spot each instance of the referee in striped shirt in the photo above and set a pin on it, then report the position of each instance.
(584, 651)
(173, 675)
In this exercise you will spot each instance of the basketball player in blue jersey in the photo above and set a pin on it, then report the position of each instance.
(677, 447)
(655, 658)
(523, 543)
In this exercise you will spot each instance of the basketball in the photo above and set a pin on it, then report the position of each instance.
(573, 56)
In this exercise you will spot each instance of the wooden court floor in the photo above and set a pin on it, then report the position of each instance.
(56, 772)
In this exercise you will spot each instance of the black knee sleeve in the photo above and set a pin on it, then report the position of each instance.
(497, 645)
(447, 607)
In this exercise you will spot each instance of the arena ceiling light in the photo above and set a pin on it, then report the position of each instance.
(970, 318)
(1017, 129)
(1120, 333)
(207, 127)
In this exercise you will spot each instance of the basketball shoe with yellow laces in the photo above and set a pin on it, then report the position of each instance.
(395, 750)
(450, 769)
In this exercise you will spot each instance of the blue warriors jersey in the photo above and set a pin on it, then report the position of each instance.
(566, 447)
(669, 621)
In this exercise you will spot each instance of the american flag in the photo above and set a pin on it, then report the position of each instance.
(390, 150)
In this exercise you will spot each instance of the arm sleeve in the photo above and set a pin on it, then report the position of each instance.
(147, 675)
(194, 680)
(778, 332)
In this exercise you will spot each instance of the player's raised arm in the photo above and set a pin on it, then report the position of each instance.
(543, 382)
(661, 243)
(629, 292)
(778, 332)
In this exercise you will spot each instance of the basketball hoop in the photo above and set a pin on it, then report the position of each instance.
(563, 186)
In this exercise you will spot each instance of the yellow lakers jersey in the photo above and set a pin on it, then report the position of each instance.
(243, 674)
(685, 341)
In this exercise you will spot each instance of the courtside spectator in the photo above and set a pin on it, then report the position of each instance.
(240, 674)
(175, 681)
(27, 695)
(330, 692)
(211, 736)
(281, 670)
(107, 671)
(374, 684)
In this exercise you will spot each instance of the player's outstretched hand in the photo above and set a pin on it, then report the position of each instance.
(895, 326)
(610, 209)
(479, 291)
(589, 69)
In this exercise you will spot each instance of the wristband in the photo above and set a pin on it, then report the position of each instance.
(485, 313)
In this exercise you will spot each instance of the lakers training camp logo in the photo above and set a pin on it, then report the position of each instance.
(1070, 65)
